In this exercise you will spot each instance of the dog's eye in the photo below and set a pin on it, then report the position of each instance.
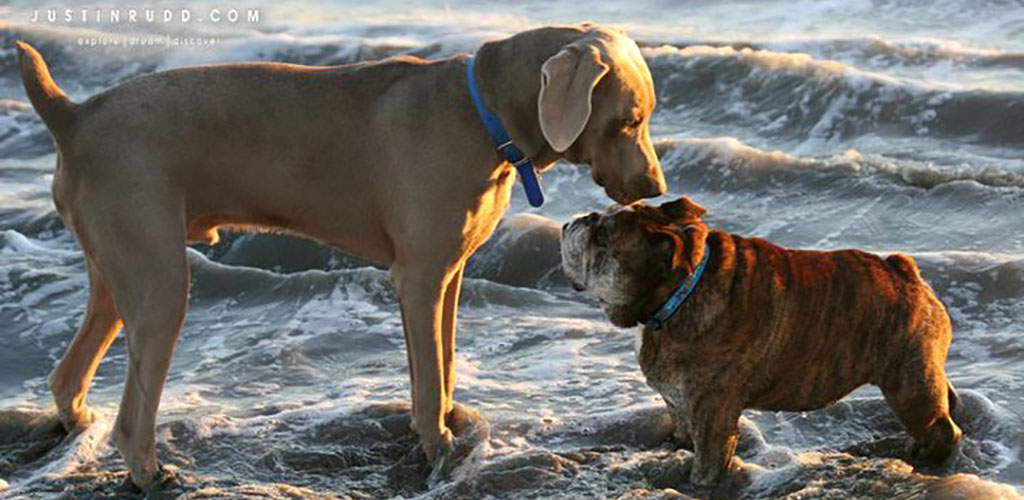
(632, 123)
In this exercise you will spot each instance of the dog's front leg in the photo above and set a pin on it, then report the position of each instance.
(681, 425)
(421, 295)
(449, 325)
(714, 423)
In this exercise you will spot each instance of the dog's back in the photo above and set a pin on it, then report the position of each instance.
(816, 324)
(252, 144)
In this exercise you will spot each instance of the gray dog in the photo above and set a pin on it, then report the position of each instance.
(388, 161)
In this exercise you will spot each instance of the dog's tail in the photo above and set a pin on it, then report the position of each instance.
(52, 104)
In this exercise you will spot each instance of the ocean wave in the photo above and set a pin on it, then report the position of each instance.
(253, 286)
(872, 51)
(788, 95)
(23, 134)
(713, 153)
(882, 52)
(523, 252)
(795, 96)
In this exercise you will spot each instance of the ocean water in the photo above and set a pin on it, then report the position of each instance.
(887, 125)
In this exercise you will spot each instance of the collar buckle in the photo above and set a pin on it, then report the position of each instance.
(503, 143)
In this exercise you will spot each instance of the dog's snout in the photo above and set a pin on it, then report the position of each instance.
(651, 187)
(657, 188)
(590, 218)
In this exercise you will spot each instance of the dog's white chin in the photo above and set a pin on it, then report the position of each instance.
(607, 282)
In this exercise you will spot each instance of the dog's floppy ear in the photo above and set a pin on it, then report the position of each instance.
(682, 210)
(687, 236)
(567, 82)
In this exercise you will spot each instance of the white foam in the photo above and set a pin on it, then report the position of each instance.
(84, 452)
(14, 242)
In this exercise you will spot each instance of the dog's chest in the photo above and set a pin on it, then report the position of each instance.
(659, 363)
(483, 218)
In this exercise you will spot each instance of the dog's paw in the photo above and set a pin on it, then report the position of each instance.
(465, 431)
(75, 422)
(442, 460)
(470, 430)
(165, 485)
(727, 483)
(128, 490)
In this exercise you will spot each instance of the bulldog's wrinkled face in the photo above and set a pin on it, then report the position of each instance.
(625, 254)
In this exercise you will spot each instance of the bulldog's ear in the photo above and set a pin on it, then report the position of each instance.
(567, 82)
(682, 210)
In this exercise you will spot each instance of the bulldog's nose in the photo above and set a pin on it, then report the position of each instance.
(590, 218)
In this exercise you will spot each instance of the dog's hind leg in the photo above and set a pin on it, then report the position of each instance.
(140, 250)
(953, 398)
(71, 379)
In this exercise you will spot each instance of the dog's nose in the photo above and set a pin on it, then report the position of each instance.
(590, 218)
(651, 188)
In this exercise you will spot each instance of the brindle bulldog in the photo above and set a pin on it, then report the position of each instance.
(734, 323)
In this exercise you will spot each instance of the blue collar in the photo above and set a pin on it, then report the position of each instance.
(503, 142)
(675, 301)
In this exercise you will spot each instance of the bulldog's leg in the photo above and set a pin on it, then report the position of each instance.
(681, 425)
(714, 424)
(449, 325)
(421, 295)
(923, 398)
(71, 379)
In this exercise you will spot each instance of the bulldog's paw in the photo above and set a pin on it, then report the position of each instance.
(710, 482)
(939, 444)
